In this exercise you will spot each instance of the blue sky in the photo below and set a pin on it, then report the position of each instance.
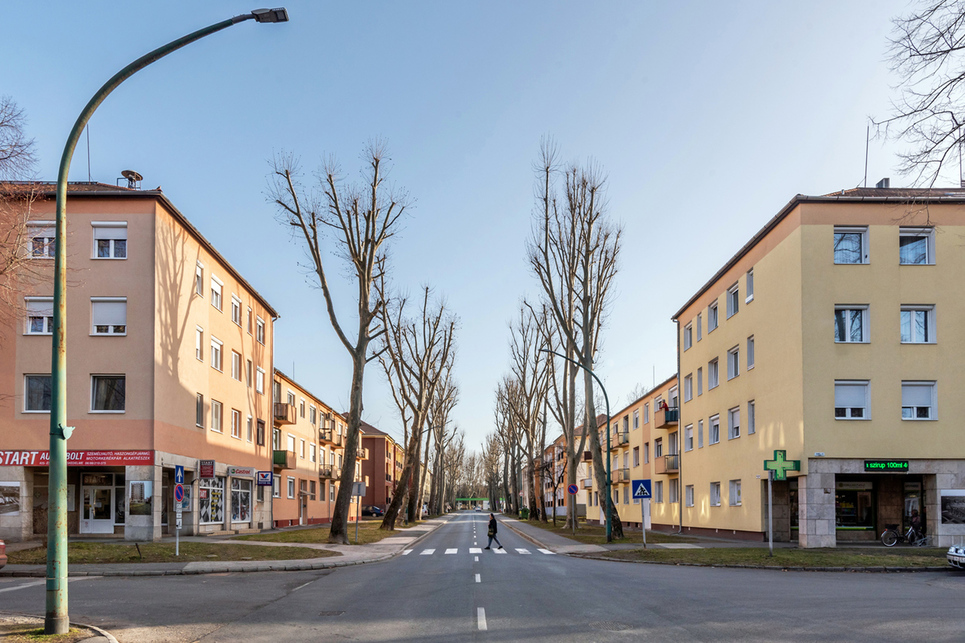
(706, 116)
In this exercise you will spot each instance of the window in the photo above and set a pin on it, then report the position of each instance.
(240, 500)
(626, 495)
(688, 388)
(312, 414)
(750, 352)
(312, 452)
(249, 429)
(110, 240)
(735, 493)
(40, 315)
(750, 286)
(751, 420)
(235, 423)
(689, 495)
(733, 362)
(688, 335)
(699, 326)
(236, 309)
(260, 436)
(636, 418)
(917, 324)
(700, 381)
(713, 376)
(673, 490)
(689, 437)
(216, 413)
(851, 324)
(700, 434)
(658, 447)
(851, 400)
(276, 439)
(916, 246)
(216, 361)
(199, 280)
(41, 234)
(248, 377)
(301, 409)
(260, 330)
(291, 399)
(301, 449)
(712, 317)
(658, 490)
(291, 443)
(636, 456)
(714, 494)
(713, 433)
(312, 489)
(199, 411)
(918, 401)
(734, 423)
(108, 315)
(646, 453)
(211, 501)
(646, 413)
(260, 380)
(199, 343)
(36, 393)
(216, 286)
(291, 487)
(235, 366)
(332, 490)
(249, 320)
(107, 393)
(850, 245)
(733, 300)
(276, 486)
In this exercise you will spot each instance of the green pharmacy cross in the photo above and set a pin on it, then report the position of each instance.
(780, 465)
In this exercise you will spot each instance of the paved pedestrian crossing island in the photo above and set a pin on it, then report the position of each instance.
(520, 551)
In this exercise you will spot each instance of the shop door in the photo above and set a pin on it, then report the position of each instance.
(98, 515)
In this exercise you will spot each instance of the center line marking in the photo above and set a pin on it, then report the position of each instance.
(481, 616)
(478, 579)
(477, 558)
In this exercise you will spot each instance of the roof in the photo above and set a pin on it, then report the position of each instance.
(854, 195)
(48, 190)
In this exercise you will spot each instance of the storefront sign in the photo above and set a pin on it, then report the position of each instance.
(248, 472)
(889, 466)
(264, 478)
(207, 468)
(77, 458)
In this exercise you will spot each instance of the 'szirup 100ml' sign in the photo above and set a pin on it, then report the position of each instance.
(886, 466)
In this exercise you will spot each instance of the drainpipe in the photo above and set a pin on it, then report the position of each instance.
(680, 442)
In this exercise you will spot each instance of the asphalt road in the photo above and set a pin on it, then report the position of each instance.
(453, 594)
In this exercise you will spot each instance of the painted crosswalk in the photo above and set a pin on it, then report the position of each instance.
(520, 551)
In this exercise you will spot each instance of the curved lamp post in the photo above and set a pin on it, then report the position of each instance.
(609, 498)
(56, 620)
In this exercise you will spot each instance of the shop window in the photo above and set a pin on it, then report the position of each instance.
(240, 500)
(854, 505)
(211, 501)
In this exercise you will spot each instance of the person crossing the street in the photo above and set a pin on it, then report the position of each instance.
(492, 533)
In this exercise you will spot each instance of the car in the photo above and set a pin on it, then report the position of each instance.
(372, 510)
(478, 508)
(3, 553)
(956, 556)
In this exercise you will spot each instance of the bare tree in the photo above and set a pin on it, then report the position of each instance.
(17, 159)
(574, 255)
(446, 397)
(357, 220)
(927, 53)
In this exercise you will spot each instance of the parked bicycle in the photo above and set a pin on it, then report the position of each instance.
(891, 537)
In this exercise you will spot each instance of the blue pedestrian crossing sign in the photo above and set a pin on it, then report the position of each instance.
(178, 474)
(641, 488)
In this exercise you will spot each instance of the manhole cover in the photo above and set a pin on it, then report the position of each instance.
(332, 613)
(610, 626)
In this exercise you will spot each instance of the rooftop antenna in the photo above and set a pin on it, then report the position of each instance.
(133, 179)
(867, 137)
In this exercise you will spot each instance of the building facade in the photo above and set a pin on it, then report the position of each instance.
(383, 467)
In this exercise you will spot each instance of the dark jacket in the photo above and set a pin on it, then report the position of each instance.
(492, 526)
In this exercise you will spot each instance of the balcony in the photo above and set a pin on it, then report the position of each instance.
(587, 456)
(284, 413)
(388, 477)
(328, 473)
(666, 417)
(336, 439)
(398, 464)
(667, 464)
(283, 459)
(620, 475)
(587, 483)
(325, 435)
(620, 439)
(362, 454)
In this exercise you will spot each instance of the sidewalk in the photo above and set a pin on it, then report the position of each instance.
(16, 623)
(349, 555)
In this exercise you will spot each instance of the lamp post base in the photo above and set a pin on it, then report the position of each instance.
(56, 625)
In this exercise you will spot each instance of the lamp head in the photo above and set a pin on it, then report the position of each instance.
(279, 14)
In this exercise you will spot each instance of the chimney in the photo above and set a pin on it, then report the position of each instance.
(884, 183)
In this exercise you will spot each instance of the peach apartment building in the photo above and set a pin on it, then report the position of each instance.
(383, 467)
(169, 356)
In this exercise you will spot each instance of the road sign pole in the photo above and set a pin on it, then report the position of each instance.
(643, 521)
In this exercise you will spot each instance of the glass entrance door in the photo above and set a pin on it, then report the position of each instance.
(98, 514)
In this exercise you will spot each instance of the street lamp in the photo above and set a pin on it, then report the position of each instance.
(55, 619)
(609, 499)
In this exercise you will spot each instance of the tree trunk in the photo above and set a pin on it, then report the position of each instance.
(340, 513)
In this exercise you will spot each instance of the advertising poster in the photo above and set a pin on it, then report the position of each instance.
(9, 498)
(140, 494)
(953, 507)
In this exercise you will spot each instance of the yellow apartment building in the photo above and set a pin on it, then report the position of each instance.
(831, 335)
(168, 363)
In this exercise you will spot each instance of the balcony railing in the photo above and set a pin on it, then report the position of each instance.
(666, 417)
(283, 459)
(620, 439)
(362, 454)
(620, 475)
(328, 473)
(324, 435)
(587, 483)
(669, 463)
(337, 439)
(284, 413)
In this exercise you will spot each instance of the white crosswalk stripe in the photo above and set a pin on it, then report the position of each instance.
(407, 552)
(500, 551)
(475, 550)
(522, 551)
(427, 552)
(547, 552)
(452, 551)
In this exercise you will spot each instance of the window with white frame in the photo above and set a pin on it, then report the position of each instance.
(712, 316)
(250, 429)
(199, 411)
(291, 442)
(749, 286)
(689, 495)
(699, 325)
(199, 279)
(850, 245)
(291, 398)
(312, 413)
(260, 380)
(41, 235)
(646, 413)
(36, 393)
(235, 309)
(199, 343)
(751, 419)
(918, 324)
(713, 433)
(688, 388)
(734, 498)
(276, 487)
(714, 494)
(636, 418)
(734, 423)
(216, 287)
(733, 300)
(851, 324)
(235, 366)
(851, 400)
(688, 335)
(110, 240)
(700, 381)
(275, 439)
(216, 360)
(250, 316)
(108, 315)
(312, 452)
(260, 330)
(217, 410)
(636, 456)
(689, 437)
(301, 449)
(236, 423)
(750, 352)
(713, 374)
(918, 401)
(108, 393)
(40, 315)
(700, 434)
(301, 409)
(658, 491)
(291, 487)
(248, 372)
(916, 246)
(673, 490)
(733, 362)
(646, 453)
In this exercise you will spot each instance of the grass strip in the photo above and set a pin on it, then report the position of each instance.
(596, 534)
(369, 532)
(807, 558)
(106, 553)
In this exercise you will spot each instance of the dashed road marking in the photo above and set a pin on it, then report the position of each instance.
(481, 617)
(477, 559)
(478, 580)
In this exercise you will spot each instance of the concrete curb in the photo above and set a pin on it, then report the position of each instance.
(250, 567)
(93, 628)
(776, 568)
